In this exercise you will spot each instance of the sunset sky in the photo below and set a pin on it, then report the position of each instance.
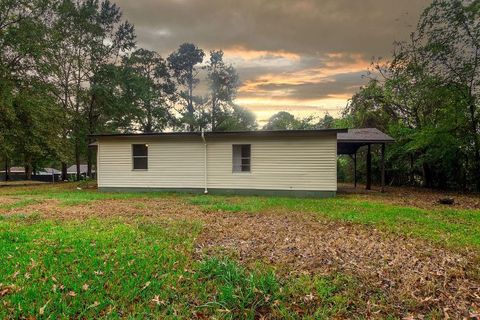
(305, 56)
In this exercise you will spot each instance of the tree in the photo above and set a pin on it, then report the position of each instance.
(223, 82)
(149, 90)
(183, 63)
(236, 118)
(84, 36)
(286, 121)
(25, 133)
(420, 110)
(449, 33)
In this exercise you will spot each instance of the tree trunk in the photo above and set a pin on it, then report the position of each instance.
(64, 171)
(412, 172)
(426, 176)
(77, 159)
(190, 109)
(6, 170)
(476, 146)
(369, 168)
(28, 168)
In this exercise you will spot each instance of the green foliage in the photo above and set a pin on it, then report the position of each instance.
(148, 91)
(286, 121)
(183, 64)
(425, 97)
(223, 82)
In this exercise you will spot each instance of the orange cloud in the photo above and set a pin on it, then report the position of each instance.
(334, 64)
(240, 52)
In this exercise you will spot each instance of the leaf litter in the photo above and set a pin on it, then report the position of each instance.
(415, 276)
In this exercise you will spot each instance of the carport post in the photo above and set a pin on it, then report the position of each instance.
(369, 168)
(383, 168)
(355, 169)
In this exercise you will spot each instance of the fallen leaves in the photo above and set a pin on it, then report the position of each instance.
(399, 266)
(157, 301)
(41, 311)
(4, 290)
(146, 285)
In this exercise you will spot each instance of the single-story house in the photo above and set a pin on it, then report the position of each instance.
(293, 162)
(72, 170)
(49, 172)
(284, 162)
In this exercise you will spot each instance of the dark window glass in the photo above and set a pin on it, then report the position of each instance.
(140, 156)
(241, 157)
(140, 150)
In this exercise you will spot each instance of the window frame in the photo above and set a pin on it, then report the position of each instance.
(139, 157)
(241, 171)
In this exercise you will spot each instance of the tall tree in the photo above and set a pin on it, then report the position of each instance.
(449, 31)
(149, 90)
(184, 64)
(24, 104)
(223, 82)
(84, 36)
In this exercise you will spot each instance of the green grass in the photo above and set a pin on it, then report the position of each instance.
(18, 204)
(134, 268)
(137, 269)
(449, 227)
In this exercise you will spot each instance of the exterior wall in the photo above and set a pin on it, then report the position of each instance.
(277, 163)
(172, 163)
(308, 163)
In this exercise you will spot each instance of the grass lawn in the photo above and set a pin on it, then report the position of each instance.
(144, 258)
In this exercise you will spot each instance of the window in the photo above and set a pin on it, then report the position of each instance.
(241, 157)
(140, 156)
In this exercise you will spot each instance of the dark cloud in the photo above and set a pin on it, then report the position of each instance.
(272, 41)
(303, 26)
(337, 85)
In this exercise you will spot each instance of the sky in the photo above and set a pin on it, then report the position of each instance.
(302, 56)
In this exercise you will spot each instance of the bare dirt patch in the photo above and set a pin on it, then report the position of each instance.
(415, 276)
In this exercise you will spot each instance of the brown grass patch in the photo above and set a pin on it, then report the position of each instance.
(413, 197)
(415, 276)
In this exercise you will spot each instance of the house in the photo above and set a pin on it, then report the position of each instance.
(72, 170)
(294, 162)
(49, 172)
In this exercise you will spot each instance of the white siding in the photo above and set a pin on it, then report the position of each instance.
(280, 163)
(172, 163)
(300, 163)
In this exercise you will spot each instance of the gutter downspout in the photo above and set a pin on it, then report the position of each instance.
(205, 162)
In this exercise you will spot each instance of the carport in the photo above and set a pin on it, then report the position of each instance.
(348, 143)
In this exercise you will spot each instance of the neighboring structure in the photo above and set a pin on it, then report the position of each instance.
(72, 170)
(351, 141)
(49, 172)
(18, 173)
(296, 162)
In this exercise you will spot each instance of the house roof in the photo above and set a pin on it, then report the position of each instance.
(83, 169)
(50, 171)
(259, 133)
(349, 142)
(371, 135)
(15, 170)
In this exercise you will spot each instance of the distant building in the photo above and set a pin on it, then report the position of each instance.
(72, 170)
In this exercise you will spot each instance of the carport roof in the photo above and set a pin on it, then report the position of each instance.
(349, 142)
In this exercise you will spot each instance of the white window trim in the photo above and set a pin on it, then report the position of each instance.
(249, 172)
(139, 157)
